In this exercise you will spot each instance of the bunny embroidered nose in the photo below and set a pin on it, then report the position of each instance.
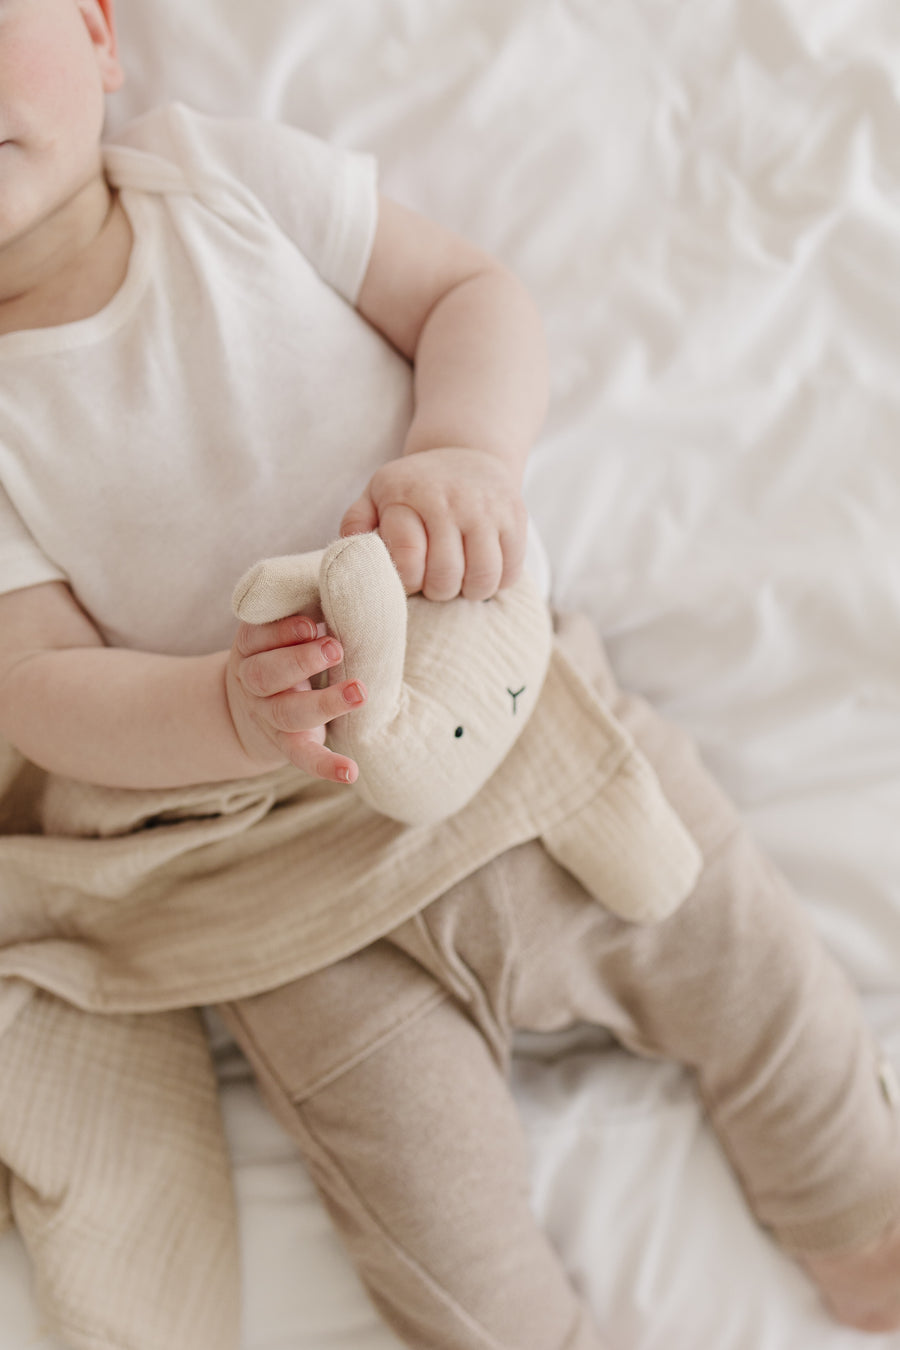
(514, 694)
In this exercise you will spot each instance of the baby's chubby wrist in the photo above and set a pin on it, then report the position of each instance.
(491, 460)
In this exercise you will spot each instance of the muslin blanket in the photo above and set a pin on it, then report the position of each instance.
(123, 910)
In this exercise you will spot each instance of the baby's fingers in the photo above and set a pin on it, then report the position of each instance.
(298, 710)
(403, 532)
(484, 564)
(263, 637)
(314, 758)
(445, 566)
(514, 547)
(283, 668)
(361, 517)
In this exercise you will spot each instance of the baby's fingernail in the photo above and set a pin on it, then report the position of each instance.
(354, 693)
(331, 651)
(304, 629)
(345, 775)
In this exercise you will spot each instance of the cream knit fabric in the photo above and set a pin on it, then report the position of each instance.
(120, 1183)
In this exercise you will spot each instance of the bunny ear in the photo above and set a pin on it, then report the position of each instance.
(276, 587)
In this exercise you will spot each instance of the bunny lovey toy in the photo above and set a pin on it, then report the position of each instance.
(453, 686)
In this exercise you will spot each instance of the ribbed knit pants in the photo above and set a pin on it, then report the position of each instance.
(129, 1223)
(389, 1068)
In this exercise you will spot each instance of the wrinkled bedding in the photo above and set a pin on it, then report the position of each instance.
(704, 201)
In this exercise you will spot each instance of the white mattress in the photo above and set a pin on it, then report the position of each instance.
(704, 200)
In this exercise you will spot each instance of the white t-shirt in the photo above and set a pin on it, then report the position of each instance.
(229, 403)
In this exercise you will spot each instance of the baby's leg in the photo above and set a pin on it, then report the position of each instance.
(120, 1183)
(416, 1148)
(738, 986)
(861, 1286)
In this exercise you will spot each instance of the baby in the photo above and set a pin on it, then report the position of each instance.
(220, 344)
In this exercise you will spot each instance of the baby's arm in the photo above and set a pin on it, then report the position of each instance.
(450, 509)
(139, 720)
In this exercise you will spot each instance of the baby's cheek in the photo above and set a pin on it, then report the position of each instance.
(57, 83)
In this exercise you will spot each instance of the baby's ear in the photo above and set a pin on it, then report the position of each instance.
(276, 587)
(99, 20)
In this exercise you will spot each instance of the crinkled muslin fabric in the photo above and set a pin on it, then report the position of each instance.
(133, 901)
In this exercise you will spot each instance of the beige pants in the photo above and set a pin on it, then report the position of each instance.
(130, 1227)
(388, 1069)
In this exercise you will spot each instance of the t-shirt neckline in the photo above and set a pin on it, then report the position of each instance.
(96, 327)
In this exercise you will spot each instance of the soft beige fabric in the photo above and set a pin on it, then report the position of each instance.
(399, 1052)
(5, 1210)
(451, 688)
(138, 900)
(120, 1177)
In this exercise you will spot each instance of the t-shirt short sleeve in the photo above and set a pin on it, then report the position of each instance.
(323, 197)
(22, 562)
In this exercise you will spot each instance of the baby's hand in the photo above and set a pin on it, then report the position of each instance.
(277, 715)
(453, 521)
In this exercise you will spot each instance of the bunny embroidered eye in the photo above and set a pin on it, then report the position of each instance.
(458, 732)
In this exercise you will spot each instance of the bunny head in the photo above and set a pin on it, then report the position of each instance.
(451, 684)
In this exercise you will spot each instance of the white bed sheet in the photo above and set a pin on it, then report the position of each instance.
(704, 200)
